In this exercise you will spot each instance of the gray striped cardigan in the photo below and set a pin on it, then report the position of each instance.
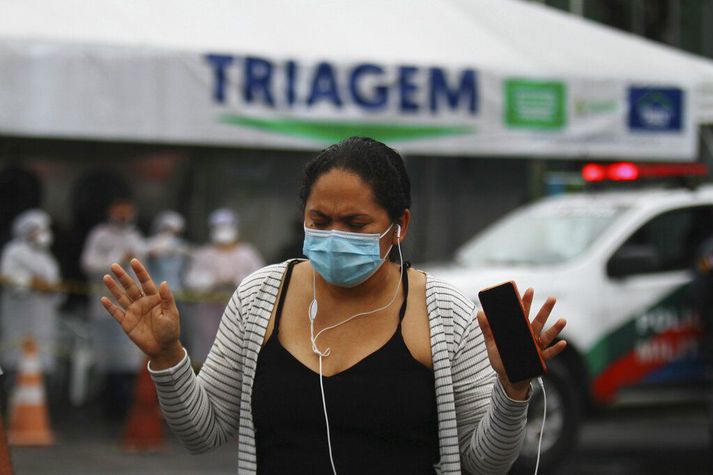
(479, 427)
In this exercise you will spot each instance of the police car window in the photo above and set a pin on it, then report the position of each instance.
(539, 236)
(674, 236)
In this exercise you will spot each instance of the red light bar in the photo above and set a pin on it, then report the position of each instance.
(623, 171)
(627, 171)
(593, 172)
(673, 169)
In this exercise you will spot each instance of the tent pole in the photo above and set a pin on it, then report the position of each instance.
(707, 135)
(707, 28)
(674, 27)
(637, 18)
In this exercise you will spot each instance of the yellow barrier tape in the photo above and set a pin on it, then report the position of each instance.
(69, 287)
(83, 288)
(59, 350)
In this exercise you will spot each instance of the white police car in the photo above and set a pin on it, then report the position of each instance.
(619, 264)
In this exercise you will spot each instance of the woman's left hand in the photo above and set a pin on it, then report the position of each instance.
(544, 338)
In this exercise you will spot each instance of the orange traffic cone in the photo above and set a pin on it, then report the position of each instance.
(5, 465)
(144, 430)
(29, 417)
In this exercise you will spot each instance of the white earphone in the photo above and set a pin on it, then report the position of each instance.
(312, 316)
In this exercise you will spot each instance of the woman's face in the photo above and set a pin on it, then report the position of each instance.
(341, 200)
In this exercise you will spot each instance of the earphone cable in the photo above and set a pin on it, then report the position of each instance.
(544, 417)
(326, 416)
(312, 314)
(361, 314)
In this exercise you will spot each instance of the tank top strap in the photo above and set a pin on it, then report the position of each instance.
(404, 283)
(283, 293)
(286, 283)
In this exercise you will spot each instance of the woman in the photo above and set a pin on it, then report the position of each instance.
(347, 362)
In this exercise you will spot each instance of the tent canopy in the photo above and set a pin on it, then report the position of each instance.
(50, 46)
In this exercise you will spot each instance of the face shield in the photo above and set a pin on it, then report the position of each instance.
(223, 226)
(223, 234)
(169, 222)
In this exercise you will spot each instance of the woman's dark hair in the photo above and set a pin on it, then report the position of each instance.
(381, 167)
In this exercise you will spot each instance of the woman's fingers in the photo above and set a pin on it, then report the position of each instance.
(147, 283)
(539, 322)
(113, 309)
(549, 335)
(168, 303)
(132, 290)
(554, 350)
(138, 311)
(527, 300)
(145, 305)
(546, 337)
(484, 325)
(117, 291)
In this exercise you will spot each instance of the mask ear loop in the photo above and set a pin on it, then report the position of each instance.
(312, 314)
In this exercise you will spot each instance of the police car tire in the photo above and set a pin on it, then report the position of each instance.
(560, 387)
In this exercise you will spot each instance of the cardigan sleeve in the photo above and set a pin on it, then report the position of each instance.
(203, 411)
(491, 426)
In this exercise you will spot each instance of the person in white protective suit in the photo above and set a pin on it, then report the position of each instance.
(217, 267)
(116, 361)
(30, 276)
(167, 252)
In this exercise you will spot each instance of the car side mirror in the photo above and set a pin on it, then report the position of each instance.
(632, 260)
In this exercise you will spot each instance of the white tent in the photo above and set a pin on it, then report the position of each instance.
(466, 77)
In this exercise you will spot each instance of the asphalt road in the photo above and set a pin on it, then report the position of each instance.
(90, 445)
(633, 441)
(648, 440)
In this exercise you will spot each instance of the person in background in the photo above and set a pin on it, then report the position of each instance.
(218, 267)
(166, 251)
(116, 362)
(168, 254)
(30, 276)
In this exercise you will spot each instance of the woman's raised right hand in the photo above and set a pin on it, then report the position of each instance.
(147, 314)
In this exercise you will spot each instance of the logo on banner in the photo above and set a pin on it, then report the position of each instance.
(594, 107)
(535, 104)
(656, 109)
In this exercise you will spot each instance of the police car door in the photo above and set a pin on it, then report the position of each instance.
(656, 337)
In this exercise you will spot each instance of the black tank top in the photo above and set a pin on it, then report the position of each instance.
(382, 411)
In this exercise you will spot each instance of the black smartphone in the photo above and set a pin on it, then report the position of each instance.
(520, 354)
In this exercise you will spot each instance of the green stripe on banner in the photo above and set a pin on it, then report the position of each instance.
(336, 131)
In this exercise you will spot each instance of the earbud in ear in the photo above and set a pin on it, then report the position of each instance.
(398, 231)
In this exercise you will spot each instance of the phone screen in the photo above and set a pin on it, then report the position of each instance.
(511, 329)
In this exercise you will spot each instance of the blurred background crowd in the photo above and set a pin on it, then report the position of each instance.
(83, 353)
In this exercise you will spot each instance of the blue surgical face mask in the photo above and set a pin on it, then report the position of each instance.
(342, 258)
